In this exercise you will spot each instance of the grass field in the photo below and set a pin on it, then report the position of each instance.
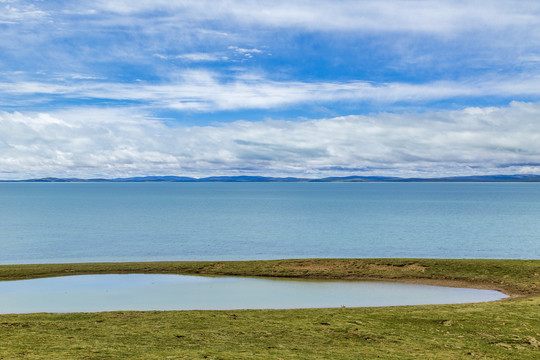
(507, 329)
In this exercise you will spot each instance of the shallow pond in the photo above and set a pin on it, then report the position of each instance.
(92, 293)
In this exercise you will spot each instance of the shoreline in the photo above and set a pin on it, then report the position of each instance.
(515, 278)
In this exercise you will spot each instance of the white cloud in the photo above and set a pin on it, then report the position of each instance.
(206, 91)
(34, 87)
(111, 143)
(377, 15)
(233, 53)
(11, 12)
(195, 57)
(85, 77)
(245, 52)
(133, 34)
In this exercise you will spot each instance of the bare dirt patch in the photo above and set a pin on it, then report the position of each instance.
(410, 267)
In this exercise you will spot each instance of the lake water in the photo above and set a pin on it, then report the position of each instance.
(87, 222)
(91, 293)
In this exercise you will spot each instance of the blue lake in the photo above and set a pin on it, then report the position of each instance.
(91, 293)
(88, 222)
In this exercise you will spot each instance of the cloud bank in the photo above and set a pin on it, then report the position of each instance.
(116, 143)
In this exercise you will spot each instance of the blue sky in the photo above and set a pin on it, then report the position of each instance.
(279, 88)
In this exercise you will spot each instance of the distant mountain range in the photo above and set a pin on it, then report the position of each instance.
(482, 178)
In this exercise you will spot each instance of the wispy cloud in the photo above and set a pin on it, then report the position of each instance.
(195, 57)
(246, 53)
(204, 91)
(232, 54)
(90, 37)
(12, 12)
(444, 16)
(97, 142)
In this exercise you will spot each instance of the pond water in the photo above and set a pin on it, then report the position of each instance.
(93, 293)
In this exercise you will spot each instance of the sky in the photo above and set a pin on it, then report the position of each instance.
(121, 88)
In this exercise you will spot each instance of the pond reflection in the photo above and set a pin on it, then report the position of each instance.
(93, 293)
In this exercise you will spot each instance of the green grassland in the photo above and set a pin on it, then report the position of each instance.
(508, 329)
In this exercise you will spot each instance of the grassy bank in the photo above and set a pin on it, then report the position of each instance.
(520, 277)
(498, 330)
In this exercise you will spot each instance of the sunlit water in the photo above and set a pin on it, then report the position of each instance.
(82, 222)
(91, 293)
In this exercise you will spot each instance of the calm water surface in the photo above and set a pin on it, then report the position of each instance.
(81, 222)
(91, 293)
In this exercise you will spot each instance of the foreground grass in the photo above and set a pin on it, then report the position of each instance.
(499, 330)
